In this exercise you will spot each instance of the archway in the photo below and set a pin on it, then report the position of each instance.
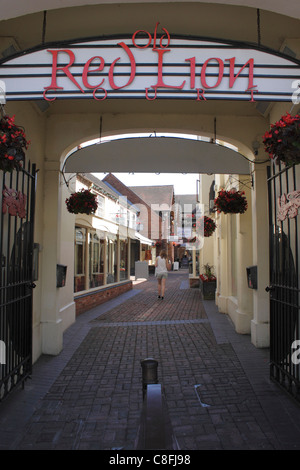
(135, 152)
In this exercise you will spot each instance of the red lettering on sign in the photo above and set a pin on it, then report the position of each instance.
(93, 69)
(200, 95)
(252, 91)
(141, 31)
(49, 88)
(103, 97)
(166, 35)
(203, 73)
(161, 39)
(232, 77)
(64, 68)
(147, 94)
(160, 80)
(192, 61)
(132, 67)
(86, 71)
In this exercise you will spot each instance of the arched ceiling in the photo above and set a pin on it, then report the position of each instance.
(15, 8)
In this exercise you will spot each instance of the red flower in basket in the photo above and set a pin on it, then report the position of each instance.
(231, 202)
(207, 224)
(82, 202)
(13, 144)
(282, 141)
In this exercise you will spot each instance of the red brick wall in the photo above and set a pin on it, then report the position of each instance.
(90, 300)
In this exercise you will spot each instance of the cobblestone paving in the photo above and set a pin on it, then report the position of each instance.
(96, 400)
(180, 304)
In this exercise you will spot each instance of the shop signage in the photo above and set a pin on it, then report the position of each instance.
(148, 65)
(13, 202)
(288, 206)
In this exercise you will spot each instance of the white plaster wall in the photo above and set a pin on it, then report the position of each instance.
(239, 304)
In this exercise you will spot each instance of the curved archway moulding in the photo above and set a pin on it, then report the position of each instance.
(157, 154)
(15, 8)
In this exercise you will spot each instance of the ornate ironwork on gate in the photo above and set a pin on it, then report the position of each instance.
(17, 189)
(284, 202)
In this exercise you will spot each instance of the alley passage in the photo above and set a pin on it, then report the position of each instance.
(95, 402)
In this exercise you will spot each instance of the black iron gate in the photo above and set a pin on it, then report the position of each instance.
(284, 198)
(17, 191)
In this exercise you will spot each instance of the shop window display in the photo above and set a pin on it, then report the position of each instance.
(112, 247)
(96, 258)
(80, 240)
(97, 261)
(123, 260)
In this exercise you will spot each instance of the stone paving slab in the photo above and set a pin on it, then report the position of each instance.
(216, 384)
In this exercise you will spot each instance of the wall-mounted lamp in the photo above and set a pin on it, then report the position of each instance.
(255, 147)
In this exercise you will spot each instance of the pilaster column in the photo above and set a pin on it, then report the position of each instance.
(244, 258)
(194, 263)
(105, 263)
(128, 257)
(51, 323)
(118, 258)
(224, 264)
(260, 235)
(87, 260)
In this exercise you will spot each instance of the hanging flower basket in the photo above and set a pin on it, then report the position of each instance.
(231, 202)
(207, 224)
(282, 141)
(82, 202)
(13, 144)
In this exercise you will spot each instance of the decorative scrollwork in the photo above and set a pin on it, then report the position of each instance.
(288, 205)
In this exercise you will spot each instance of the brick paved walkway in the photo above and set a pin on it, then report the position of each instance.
(90, 396)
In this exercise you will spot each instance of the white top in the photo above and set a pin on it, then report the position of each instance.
(161, 265)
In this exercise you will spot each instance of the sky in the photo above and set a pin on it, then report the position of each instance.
(183, 183)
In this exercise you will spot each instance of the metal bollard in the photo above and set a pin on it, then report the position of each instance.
(149, 373)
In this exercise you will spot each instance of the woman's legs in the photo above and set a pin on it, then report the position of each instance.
(159, 287)
(163, 286)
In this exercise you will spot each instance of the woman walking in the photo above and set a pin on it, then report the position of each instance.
(161, 272)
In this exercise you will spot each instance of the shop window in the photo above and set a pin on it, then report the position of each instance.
(96, 261)
(112, 252)
(101, 206)
(80, 240)
(101, 253)
(123, 217)
(133, 221)
(123, 260)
